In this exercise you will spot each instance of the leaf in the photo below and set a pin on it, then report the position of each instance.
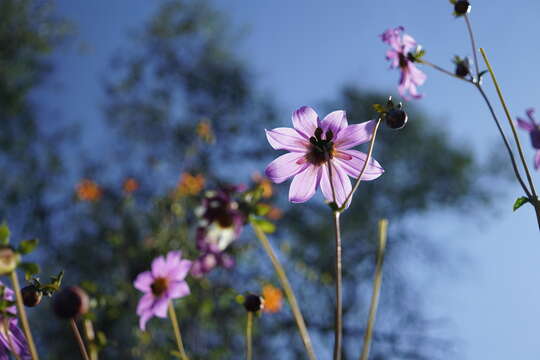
(27, 246)
(520, 201)
(30, 269)
(4, 234)
(262, 209)
(265, 225)
(378, 108)
(482, 73)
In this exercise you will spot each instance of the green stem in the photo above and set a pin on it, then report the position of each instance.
(22, 315)
(377, 282)
(473, 44)
(285, 284)
(249, 337)
(511, 122)
(339, 311)
(176, 328)
(90, 336)
(438, 68)
(79, 339)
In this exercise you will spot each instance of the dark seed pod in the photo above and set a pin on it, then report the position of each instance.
(462, 69)
(31, 295)
(71, 302)
(396, 119)
(253, 303)
(462, 7)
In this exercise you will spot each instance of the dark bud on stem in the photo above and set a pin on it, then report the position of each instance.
(253, 303)
(31, 295)
(71, 302)
(462, 69)
(462, 7)
(396, 119)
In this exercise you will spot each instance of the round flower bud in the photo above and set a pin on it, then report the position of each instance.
(396, 119)
(31, 295)
(462, 7)
(8, 260)
(253, 303)
(462, 69)
(71, 302)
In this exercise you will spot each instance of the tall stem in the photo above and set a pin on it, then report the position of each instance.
(511, 122)
(368, 158)
(339, 311)
(22, 315)
(249, 331)
(79, 339)
(285, 284)
(176, 328)
(377, 282)
(90, 336)
(473, 45)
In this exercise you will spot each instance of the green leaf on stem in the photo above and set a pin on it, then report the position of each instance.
(27, 246)
(4, 234)
(30, 269)
(265, 225)
(520, 201)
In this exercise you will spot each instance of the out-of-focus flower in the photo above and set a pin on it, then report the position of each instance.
(71, 302)
(273, 299)
(205, 132)
(166, 281)
(130, 185)
(400, 56)
(316, 147)
(12, 339)
(190, 184)
(220, 223)
(264, 184)
(87, 190)
(534, 131)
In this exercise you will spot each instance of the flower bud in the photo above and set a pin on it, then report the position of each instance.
(462, 69)
(71, 302)
(396, 119)
(253, 303)
(462, 7)
(8, 260)
(31, 295)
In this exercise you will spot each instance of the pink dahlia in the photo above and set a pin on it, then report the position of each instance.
(166, 281)
(399, 56)
(534, 130)
(314, 148)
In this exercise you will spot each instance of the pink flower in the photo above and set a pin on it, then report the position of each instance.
(163, 283)
(398, 55)
(11, 339)
(534, 130)
(316, 147)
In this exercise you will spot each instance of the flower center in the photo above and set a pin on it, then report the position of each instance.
(159, 286)
(225, 220)
(403, 61)
(321, 150)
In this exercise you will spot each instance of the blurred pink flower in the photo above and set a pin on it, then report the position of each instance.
(163, 283)
(315, 147)
(11, 339)
(534, 130)
(401, 46)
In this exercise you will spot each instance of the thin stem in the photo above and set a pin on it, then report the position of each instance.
(22, 315)
(473, 44)
(332, 183)
(90, 336)
(249, 331)
(339, 311)
(511, 122)
(377, 282)
(368, 158)
(285, 284)
(176, 328)
(438, 68)
(79, 339)
(9, 339)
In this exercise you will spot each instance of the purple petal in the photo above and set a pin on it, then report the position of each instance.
(416, 75)
(335, 121)
(304, 184)
(285, 166)
(530, 114)
(287, 139)
(340, 180)
(408, 43)
(145, 303)
(178, 289)
(144, 319)
(160, 307)
(143, 281)
(180, 271)
(305, 120)
(525, 125)
(537, 160)
(354, 166)
(159, 267)
(354, 135)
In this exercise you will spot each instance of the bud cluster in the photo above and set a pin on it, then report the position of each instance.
(393, 115)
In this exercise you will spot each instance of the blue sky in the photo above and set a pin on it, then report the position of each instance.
(302, 52)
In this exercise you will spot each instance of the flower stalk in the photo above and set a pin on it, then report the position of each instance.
(249, 335)
(22, 315)
(79, 339)
(377, 282)
(338, 326)
(285, 284)
(177, 334)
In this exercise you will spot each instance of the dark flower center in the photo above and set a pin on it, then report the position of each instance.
(321, 150)
(159, 286)
(403, 60)
(225, 219)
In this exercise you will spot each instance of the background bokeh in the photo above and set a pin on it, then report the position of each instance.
(128, 86)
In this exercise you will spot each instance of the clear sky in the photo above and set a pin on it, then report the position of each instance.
(303, 52)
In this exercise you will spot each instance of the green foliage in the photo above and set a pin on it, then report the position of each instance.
(27, 246)
(4, 234)
(520, 201)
